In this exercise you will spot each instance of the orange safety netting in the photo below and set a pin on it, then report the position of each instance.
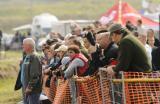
(132, 88)
(146, 90)
(49, 91)
(62, 93)
(52, 90)
(88, 90)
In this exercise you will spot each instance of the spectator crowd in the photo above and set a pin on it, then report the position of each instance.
(82, 52)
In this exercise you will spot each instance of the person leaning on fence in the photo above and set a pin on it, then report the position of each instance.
(132, 54)
(110, 49)
(56, 63)
(52, 57)
(29, 78)
(61, 51)
(105, 51)
(78, 64)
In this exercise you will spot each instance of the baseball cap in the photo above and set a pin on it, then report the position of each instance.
(62, 48)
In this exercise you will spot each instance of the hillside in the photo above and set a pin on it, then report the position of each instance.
(18, 12)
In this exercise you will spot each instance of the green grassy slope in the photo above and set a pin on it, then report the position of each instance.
(17, 12)
(9, 66)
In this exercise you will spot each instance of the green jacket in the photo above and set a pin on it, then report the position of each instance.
(132, 56)
(32, 73)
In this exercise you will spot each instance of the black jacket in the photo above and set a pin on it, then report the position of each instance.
(111, 52)
(156, 59)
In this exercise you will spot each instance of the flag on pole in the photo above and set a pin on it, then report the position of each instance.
(120, 11)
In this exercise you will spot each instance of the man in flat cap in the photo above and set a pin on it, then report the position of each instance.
(132, 55)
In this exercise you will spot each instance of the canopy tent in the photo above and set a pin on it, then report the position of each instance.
(24, 27)
(44, 20)
(123, 12)
(42, 24)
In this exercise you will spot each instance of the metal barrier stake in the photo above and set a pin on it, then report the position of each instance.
(123, 88)
(103, 100)
(112, 90)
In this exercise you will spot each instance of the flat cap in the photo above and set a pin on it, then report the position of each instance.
(114, 27)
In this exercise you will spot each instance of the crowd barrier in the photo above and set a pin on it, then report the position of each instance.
(127, 88)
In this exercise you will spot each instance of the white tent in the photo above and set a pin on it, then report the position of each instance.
(44, 20)
(42, 23)
(24, 27)
(63, 27)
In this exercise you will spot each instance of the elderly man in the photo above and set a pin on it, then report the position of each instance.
(29, 78)
(99, 58)
(110, 48)
(132, 54)
(151, 34)
(75, 29)
(143, 38)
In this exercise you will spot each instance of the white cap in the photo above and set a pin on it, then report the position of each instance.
(62, 48)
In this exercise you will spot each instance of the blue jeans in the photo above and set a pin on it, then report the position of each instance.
(32, 99)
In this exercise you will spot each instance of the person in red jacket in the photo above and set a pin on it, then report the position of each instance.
(78, 64)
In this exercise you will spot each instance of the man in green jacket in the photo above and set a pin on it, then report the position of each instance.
(29, 78)
(132, 54)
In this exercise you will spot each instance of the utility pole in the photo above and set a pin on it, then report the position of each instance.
(120, 11)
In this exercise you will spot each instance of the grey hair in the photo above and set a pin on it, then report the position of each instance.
(30, 41)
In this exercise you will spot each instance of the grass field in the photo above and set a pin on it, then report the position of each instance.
(8, 73)
(9, 63)
(7, 93)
